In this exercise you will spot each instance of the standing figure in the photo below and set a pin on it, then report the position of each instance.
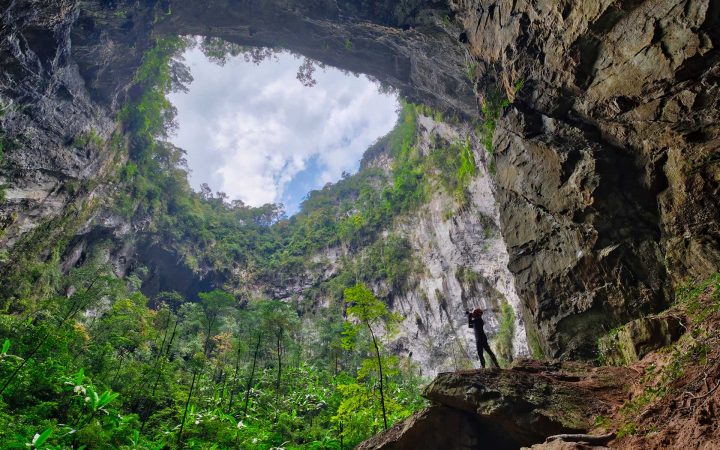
(481, 341)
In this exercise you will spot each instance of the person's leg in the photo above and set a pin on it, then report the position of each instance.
(480, 354)
(492, 355)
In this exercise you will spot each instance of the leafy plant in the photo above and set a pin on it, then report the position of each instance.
(370, 312)
(39, 439)
(89, 139)
(471, 70)
(503, 341)
(100, 363)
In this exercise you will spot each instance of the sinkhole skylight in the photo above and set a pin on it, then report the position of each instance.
(260, 135)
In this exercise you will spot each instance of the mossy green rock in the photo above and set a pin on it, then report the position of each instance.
(636, 339)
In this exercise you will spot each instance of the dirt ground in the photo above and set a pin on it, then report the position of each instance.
(676, 401)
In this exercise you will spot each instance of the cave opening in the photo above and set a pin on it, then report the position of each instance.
(266, 126)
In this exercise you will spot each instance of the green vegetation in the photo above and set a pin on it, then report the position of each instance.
(456, 167)
(370, 313)
(210, 232)
(471, 70)
(100, 367)
(89, 139)
(503, 341)
(2, 154)
(690, 297)
(534, 344)
(699, 301)
(492, 105)
(87, 359)
(2, 160)
(445, 20)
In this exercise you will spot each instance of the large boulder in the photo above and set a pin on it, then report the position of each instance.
(436, 427)
(508, 409)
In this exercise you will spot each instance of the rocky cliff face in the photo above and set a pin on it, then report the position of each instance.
(459, 262)
(616, 125)
(463, 265)
(662, 396)
(607, 169)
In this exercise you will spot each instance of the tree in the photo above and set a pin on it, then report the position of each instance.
(278, 319)
(371, 313)
(213, 303)
(87, 284)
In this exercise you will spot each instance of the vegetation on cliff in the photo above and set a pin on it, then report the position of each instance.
(87, 359)
(685, 372)
(607, 185)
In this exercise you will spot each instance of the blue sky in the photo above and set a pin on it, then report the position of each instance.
(256, 133)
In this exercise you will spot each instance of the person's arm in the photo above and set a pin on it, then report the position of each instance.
(470, 321)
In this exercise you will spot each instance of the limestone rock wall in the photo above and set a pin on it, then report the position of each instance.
(57, 158)
(607, 160)
(462, 262)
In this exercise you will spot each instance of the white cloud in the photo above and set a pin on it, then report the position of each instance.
(250, 130)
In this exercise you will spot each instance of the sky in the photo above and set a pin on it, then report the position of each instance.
(257, 134)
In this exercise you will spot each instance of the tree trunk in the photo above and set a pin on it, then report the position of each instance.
(211, 321)
(172, 337)
(382, 393)
(279, 355)
(187, 405)
(233, 387)
(252, 374)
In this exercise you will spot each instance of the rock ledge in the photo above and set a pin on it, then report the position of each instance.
(510, 408)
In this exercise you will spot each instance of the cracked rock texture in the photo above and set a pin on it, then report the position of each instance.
(608, 162)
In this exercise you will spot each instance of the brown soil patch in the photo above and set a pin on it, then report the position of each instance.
(685, 414)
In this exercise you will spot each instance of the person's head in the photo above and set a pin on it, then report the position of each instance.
(477, 312)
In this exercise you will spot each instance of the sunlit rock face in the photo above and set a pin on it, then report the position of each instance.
(462, 262)
(459, 260)
(607, 179)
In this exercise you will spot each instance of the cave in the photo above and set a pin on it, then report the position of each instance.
(167, 274)
(592, 132)
(587, 185)
(616, 216)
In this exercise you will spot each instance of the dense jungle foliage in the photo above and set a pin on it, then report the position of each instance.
(105, 367)
(88, 361)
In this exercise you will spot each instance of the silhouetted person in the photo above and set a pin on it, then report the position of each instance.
(481, 341)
